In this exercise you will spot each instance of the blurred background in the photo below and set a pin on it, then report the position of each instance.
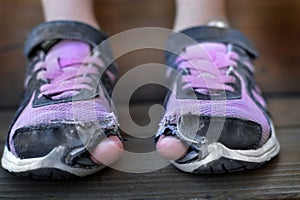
(273, 26)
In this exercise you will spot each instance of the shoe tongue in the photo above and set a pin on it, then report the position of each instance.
(69, 52)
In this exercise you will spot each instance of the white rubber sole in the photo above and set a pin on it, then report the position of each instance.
(217, 151)
(16, 165)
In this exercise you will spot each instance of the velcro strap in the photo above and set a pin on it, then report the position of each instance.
(177, 42)
(56, 30)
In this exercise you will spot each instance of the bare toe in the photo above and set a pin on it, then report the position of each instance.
(171, 148)
(108, 151)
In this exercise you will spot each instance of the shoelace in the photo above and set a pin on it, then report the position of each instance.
(207, 67)
(65, 81)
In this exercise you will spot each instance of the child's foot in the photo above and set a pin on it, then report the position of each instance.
(216, 109)
(65, 125)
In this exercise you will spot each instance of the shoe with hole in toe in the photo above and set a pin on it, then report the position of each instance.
(216, 107)
(66, 109)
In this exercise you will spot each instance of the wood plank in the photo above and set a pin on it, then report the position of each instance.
(12, 76)
(271, 26)
(279, 179)
(17, 19)
(285, 111)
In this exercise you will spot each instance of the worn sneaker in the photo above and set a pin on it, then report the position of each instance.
(66, 110)
(216, 108)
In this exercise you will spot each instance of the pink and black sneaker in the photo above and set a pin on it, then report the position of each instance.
(215, 106)
(66, 109)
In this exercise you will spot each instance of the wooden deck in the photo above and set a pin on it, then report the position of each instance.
(279, 179)
(272, 26)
